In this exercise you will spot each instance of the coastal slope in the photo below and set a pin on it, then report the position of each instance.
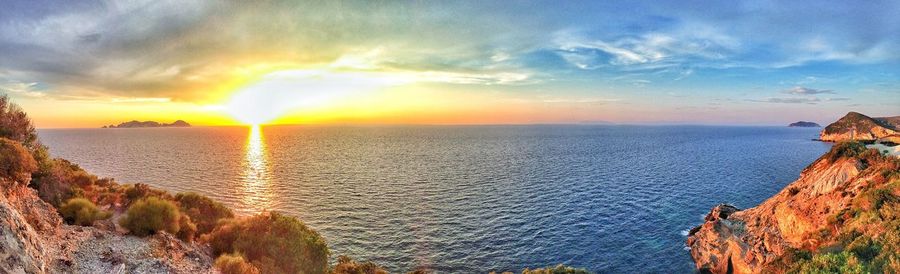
(34, 239)
(858, 126)
(843, 214)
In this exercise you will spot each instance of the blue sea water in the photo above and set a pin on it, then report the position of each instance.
(468, 199)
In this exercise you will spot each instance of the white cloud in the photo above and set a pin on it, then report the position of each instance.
(798, 90)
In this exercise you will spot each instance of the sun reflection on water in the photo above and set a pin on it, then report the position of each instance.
(257, 193)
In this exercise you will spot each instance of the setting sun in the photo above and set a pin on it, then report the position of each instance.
(280, 92)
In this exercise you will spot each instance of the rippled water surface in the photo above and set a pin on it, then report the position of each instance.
(467, 198)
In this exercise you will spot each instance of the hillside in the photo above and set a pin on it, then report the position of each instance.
(841, 215)
(857, 126)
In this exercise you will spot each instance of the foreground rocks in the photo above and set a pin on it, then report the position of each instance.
(33, 239)
(805, 216)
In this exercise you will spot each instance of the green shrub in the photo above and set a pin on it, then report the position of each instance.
(80, 211)
(559, 269)
(150, 215)
(235, 264)
(205, 212)
(346, 265)
(272, 242)
(16, 163)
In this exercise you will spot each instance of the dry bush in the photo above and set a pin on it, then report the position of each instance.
(80, 211)
(272, 242)
(235, 264)
(15, 124)
(205, 212)
(16, 162)
(62, 181)
(188, 229)
(151, 215)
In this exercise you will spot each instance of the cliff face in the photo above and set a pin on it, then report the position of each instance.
(808, 215)
(33, 239)
(856, 126)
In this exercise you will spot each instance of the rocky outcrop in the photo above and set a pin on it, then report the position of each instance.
(33, 239)
(755, 240)
(856, 126)
(804, 124)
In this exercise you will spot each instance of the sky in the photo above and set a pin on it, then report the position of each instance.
(93, 63)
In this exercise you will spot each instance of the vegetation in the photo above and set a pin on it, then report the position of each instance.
(151, 215)
(205, 212)
(80, 211)
(864, 237)
(16, 162)
(15, 124)
(845, 149)
(187, 229)
(235, 264)
(62, 181)
(272, 242)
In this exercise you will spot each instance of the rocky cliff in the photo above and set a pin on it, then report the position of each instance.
(842, 213)
(857, 126)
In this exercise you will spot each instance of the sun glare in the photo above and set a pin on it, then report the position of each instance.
(280, 92)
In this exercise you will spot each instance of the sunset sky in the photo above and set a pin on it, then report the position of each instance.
(87, 64)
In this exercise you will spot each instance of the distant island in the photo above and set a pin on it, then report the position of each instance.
(136, 124)
(804, 124)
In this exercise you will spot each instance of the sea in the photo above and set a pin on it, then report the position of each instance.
(467, 199)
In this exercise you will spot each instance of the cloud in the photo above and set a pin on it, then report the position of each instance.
(22, 89)
(190, 51)
(677, 46)
(798, 100)
(807, 91)
(811, 101)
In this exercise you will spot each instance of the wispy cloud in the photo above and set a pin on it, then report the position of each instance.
(807, 91)
(798, 100)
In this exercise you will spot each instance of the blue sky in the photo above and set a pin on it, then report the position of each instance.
(728, 62)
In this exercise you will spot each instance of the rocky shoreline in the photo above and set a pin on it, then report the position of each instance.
(841, 215)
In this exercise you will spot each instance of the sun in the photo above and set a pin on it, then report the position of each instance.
(280, 92)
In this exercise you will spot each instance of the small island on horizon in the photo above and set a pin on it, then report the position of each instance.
(804, 124)
(139, 124)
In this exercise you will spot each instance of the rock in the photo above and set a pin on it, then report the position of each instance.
(33, 239)
(753, 240)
